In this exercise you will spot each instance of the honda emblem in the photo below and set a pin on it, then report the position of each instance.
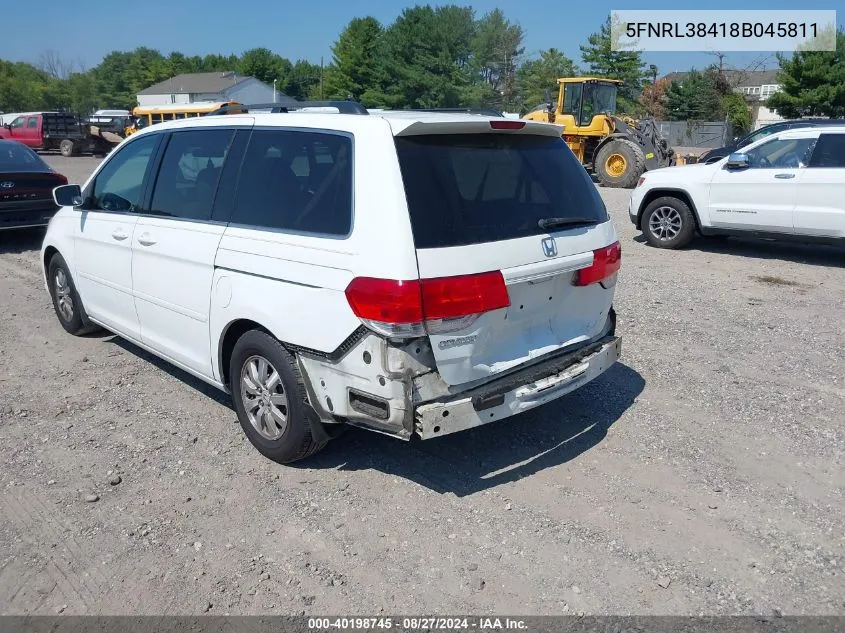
(549, 246)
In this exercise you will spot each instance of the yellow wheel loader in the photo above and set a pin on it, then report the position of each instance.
(616, 149)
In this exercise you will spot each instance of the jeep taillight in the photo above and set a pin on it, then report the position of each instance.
(404, 309)
(606, 263)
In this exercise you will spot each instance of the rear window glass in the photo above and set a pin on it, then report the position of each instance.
(472, 188)
(17, 157)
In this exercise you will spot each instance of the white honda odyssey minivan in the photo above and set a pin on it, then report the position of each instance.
(412, 273)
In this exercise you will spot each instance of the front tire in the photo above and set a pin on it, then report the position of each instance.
(668, 223)
(270, 399)
(66, 301)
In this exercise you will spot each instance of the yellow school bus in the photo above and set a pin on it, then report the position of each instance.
(150, 115)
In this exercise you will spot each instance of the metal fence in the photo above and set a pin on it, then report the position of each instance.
(704, 134)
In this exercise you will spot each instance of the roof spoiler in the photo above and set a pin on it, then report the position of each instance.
(343, 107)
(482, 111)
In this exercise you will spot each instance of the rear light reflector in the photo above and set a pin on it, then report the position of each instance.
(606, 263)
(507, 125)
(412, 308)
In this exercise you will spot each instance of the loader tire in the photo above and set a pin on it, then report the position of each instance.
(620, 163)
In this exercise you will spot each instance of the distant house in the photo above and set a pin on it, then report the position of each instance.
(756, 86)
(221, 86)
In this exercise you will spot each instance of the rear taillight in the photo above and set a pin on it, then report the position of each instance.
(426, 306)
(606, 263)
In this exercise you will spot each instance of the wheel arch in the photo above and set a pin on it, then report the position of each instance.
(668, 192)
(236, 328)
(47, 255)
(226, 344)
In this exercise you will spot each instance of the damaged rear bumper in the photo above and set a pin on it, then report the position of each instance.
(519, 392)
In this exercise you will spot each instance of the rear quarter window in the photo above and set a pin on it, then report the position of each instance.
(475, 188)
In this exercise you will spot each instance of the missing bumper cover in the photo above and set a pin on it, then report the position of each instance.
(369, 404)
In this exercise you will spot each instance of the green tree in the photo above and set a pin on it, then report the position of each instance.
(496, 51)
(265, 65)
(603, 61)
(737, 112)
(685, 98)
(303, 82)
(355, 60)
(537, 76)
(22, 87)
(422, 65)
(812, 83)
(701, 96)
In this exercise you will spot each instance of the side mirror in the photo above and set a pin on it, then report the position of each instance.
(737, 161)
(68, 196)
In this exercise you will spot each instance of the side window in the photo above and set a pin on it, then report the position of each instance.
(829, 151)
(189, 172)
(762, 133)
(296, 181)
(781, 153)
(18, 122)
(119, 185)
(33, 122)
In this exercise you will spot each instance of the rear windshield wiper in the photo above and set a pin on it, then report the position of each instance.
(554, 223)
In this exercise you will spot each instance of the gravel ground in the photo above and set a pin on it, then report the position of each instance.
(702, 474)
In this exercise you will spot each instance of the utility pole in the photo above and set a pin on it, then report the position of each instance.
(321, 78)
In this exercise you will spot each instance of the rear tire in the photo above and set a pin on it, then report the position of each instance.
(66, 301)
(620, 163)
(271, 400)
(668, 223)
(66, 148)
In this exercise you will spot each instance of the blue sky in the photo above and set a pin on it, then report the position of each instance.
(85, 30)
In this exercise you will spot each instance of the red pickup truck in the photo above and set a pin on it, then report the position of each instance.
(49, 131)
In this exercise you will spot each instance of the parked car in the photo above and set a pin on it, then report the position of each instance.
(26, 187)
(415, 274)
(49, 131)
(714, 155)
(787, 185)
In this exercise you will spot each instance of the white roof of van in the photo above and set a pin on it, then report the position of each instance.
(401, 123)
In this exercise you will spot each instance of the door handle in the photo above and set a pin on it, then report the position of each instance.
(146, 240)
(119, 235)
(784, 176)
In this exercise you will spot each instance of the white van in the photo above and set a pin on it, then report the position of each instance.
(409, 273)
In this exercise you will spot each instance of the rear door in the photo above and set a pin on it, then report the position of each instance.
(175, 242)
(515, 201)
(820, 210)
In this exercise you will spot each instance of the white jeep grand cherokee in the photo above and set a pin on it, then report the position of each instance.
(410, 273)
(790, 185)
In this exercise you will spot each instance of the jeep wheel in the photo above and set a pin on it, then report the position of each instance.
(668, 223)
